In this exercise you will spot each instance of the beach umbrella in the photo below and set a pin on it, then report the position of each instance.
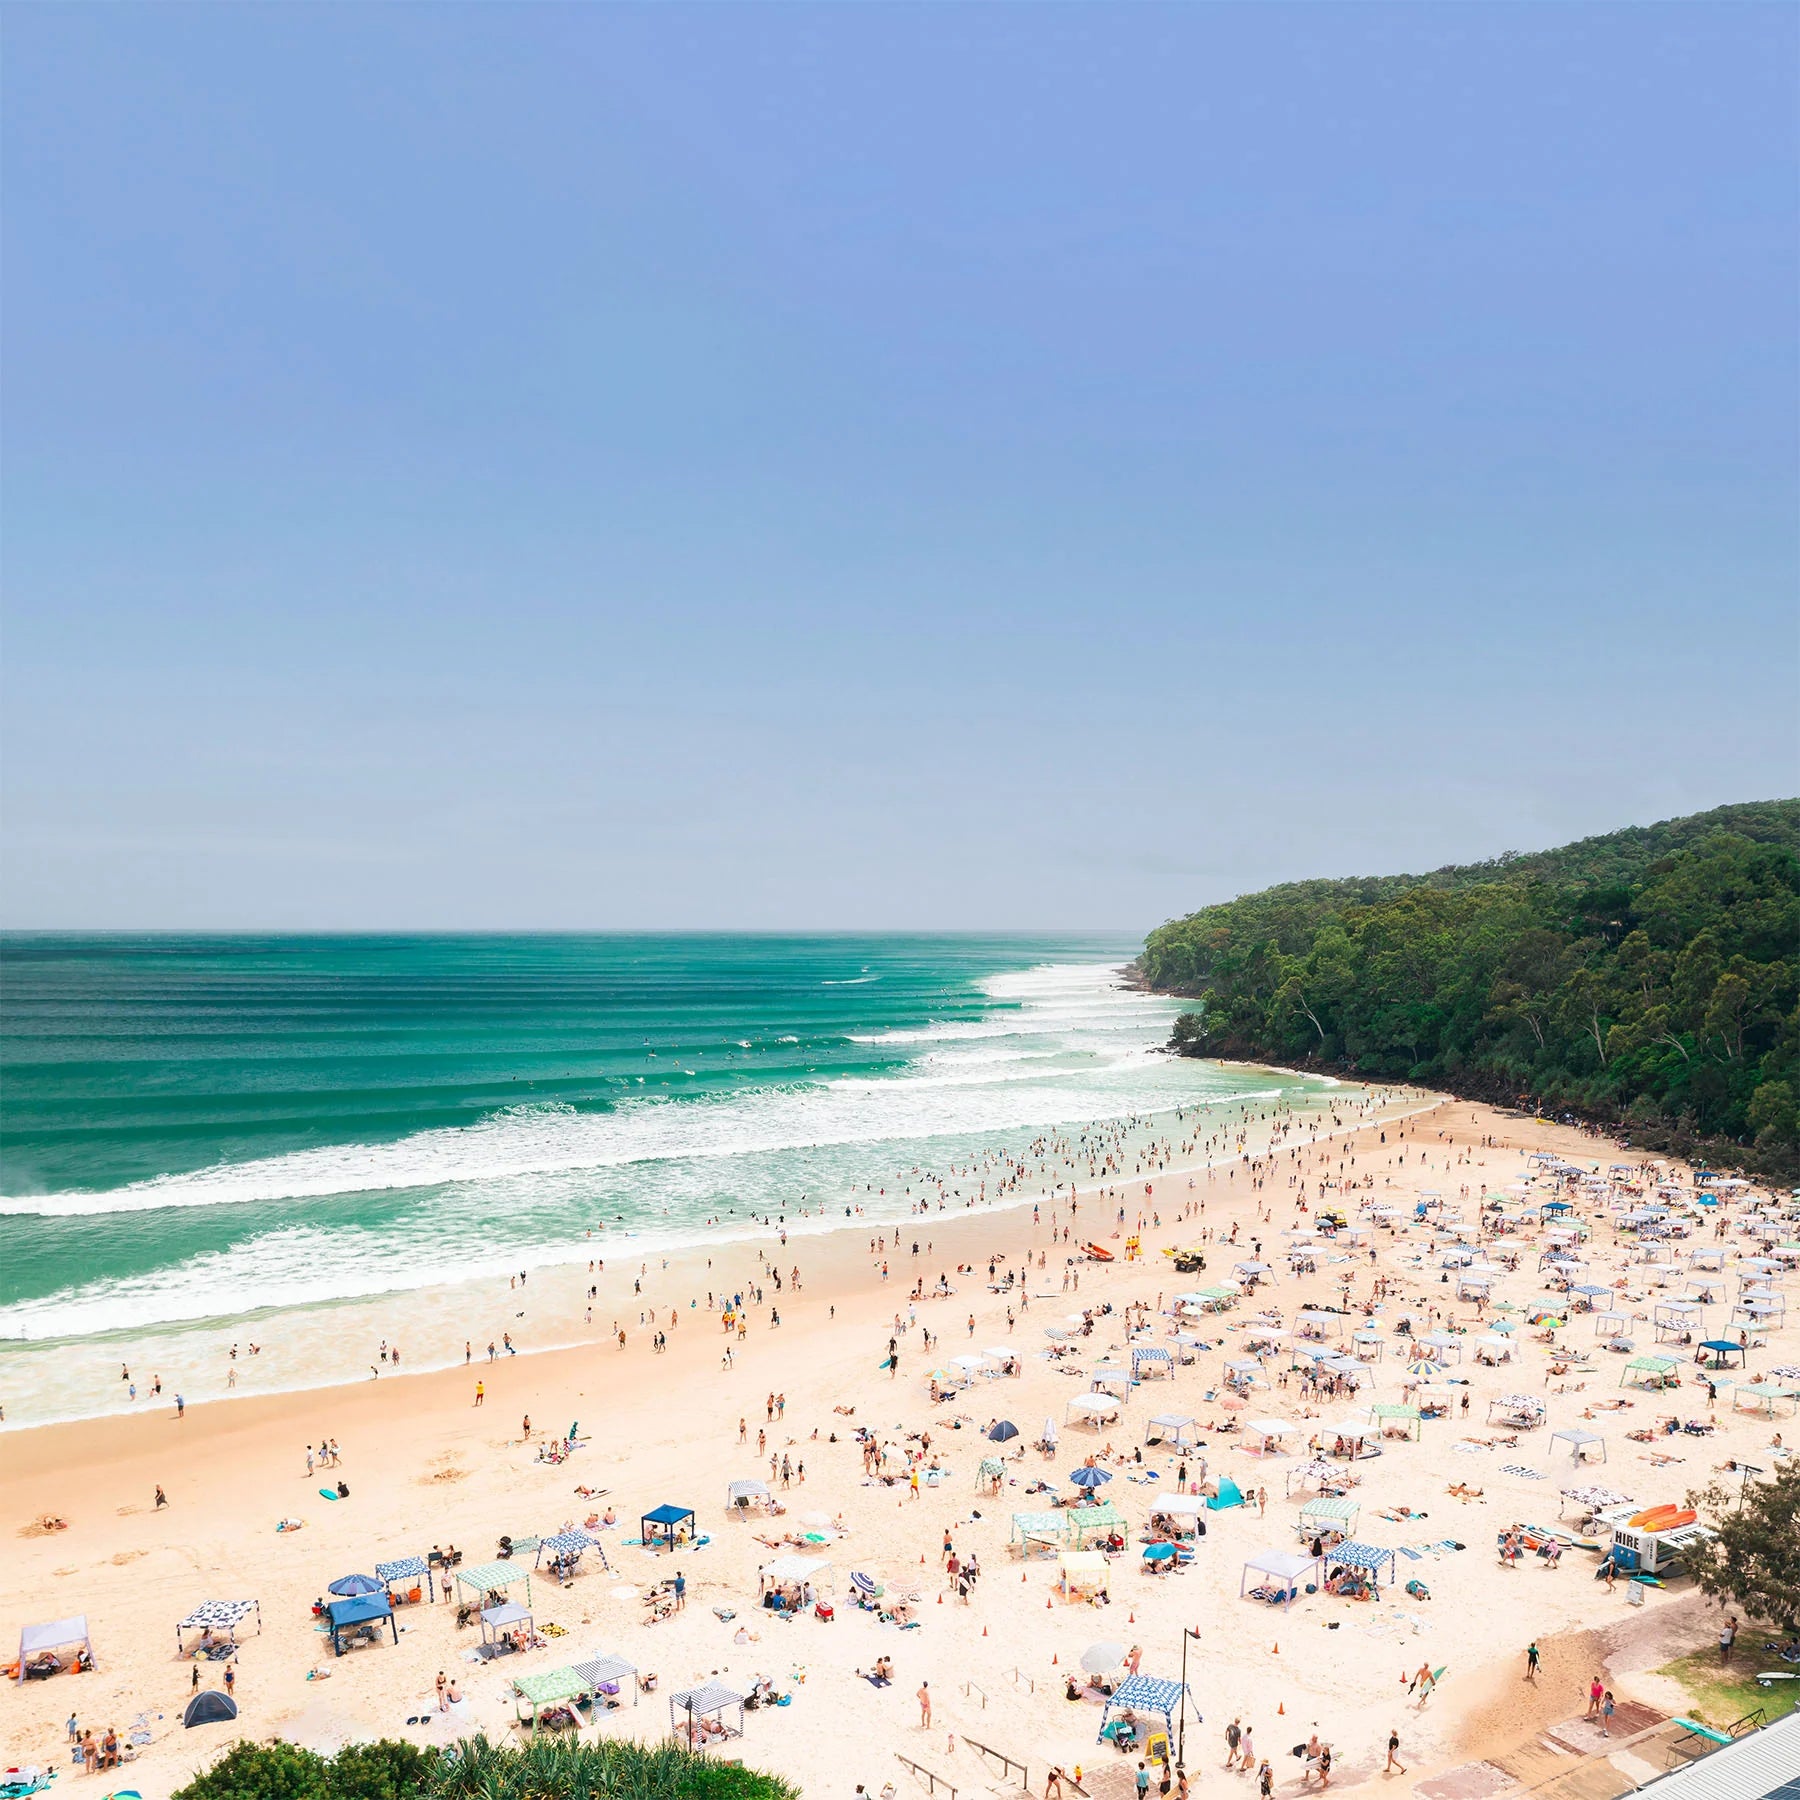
(1090, 1478)
(349, 1586)
(1420, 1363)
(865, 1584)
(1158, 1552)
(1097, 1659)
(1002, 1431)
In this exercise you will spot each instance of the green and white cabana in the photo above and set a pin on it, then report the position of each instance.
(549, 1688)
(1386, 1415)
(1335, 1511)
(494, 1578)
(1763, 1396)
(1649, 1372)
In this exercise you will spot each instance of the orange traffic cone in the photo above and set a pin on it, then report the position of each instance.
(940, 1599)
(984, 1631)
(1282, 1707)
(1046, 1603)
(1276, 1651)
(1132, 1620)
(1053, 1659)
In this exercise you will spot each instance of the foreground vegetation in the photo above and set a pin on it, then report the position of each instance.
(1647, 977)
(544, 1769)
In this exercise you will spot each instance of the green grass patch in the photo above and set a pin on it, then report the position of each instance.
(1720, 1697)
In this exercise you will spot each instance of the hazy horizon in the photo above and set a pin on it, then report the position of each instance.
(821, 468)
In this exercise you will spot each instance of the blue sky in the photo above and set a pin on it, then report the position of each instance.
(862, 466)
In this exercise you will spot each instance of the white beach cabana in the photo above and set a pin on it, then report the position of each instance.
(1178, 1430)
(1283, 1570)
(1580, 1443)
(1092, 1409)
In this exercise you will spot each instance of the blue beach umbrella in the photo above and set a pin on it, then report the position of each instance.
(1090, 1478)
(1158, 1552)
(349, 1586)
(1003, 1432)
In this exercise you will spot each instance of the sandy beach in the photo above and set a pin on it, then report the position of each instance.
(425, 1465)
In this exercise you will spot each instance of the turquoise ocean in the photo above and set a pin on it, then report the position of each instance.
(201, 1129)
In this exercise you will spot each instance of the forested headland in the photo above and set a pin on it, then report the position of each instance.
(1647, 978)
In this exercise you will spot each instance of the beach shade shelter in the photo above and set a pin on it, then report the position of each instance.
(701, 1716)
(1080, 1571)
(1179, 1512)
(1251, 1271)
(1314, 1323)
(608, 1675)
(1386, 1416)
(497, 1621)
(810, 1574)
(1523, 1411)
(1372, 1559)
(1758, 1310)
(494, 1578)
(1367, 1345)
(1648, 1372)
(362, 1613)
(1611, 1324)
(40, 1643)
(1581, 1442)
(219, 1616)
(347, 1587)
(1493, 1347)
(549, 1688)
(1706, 1256)
(1472, 1286)
(1337, 1512)
(209, 1707)
(1105, 1381)
(1144, 1694)
(1002, 1431)
(1447, 1344)
(1676, 1318)
(1091, 1409)
(1763, 1396)
(1597, 1499)
(413, 1571)
(1039, 1531)
(1177, 1430)
(1099, 1515)
(1271, 1432)
(1149, 1360)
(1284, 1568)
(565, 1548)
(667, 1525)
(1089, 1477)
(1721, 1350)
(1102, 1659)
(1314, 1474)
(740, 1496)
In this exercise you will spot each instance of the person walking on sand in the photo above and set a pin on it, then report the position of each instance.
(924, 1698)
(1531, 1660)
(1596, 1688)
(1394, 1765)
(1606, 1713)
(1262, 1501)
(162, 1499)
(480, 1392)
(1234, 1735)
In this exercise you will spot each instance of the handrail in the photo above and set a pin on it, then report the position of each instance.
(920, 1773)
(1006, 1762)
(1019, 1675)
(975, 1687)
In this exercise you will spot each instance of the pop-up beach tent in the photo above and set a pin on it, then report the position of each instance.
(57, 1634)
(1372, 1559)
(1091, 1409)
(671, 1525)
(209, 1707)
(407, 1571)
(1336, 1511)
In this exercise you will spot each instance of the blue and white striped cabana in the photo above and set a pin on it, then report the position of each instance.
(1145, 1694)
(405, 1568)
(1370, 1557)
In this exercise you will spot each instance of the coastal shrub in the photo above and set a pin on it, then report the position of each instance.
(1755, 1559)
(262, 1772)
(1651, 976)
(543, 1768)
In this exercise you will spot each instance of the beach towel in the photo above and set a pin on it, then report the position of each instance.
(1520, 1470)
